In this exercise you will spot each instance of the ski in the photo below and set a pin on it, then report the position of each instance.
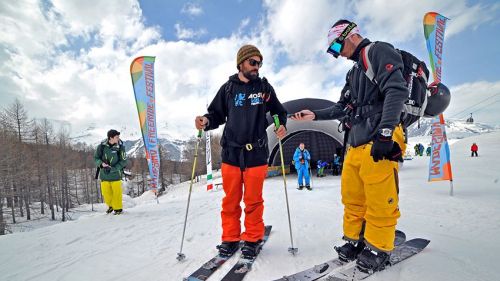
(323, 269)
(243, 266)
(213, 264)
(207, 268)
(400, 253)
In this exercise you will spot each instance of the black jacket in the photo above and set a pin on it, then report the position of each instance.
(376, 105)
(243, 107)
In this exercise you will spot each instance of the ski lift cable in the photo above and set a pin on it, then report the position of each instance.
(486, 105)
(469, 107)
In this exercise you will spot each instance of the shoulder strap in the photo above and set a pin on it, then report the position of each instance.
(367, 65)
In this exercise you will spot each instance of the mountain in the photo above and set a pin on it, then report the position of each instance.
(455, 129)
(174, 147)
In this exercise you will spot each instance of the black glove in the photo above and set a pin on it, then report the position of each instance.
(107, 169)
(385, 148)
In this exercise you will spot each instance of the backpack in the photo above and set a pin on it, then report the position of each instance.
(416, 74)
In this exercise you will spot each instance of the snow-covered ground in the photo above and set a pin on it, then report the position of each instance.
(142, 244)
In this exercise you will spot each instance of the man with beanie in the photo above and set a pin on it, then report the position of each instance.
(242, 103)
(110, 158)
(370, 110)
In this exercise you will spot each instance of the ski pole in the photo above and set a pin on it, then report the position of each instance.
(291, 249)
(180, 255)
(310, 174)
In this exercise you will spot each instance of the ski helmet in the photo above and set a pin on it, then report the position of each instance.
(438, 99)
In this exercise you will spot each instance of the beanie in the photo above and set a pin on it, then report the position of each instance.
(245, 52)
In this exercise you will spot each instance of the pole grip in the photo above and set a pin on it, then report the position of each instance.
(276, 121)
(199, 134)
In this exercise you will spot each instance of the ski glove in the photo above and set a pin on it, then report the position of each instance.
(385, 148)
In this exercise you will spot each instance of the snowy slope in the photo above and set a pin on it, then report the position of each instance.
(142, 244)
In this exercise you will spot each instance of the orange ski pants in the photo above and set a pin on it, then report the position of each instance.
(247, 185)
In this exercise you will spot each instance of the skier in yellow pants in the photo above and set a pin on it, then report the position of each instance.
(370, 108)
(110, 158)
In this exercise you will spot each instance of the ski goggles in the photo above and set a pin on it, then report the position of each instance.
(337, 45)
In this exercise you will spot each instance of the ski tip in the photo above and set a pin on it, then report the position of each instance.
(418, 243)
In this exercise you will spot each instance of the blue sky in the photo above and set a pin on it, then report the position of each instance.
(68, 61)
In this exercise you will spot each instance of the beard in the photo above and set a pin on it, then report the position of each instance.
(251, 75)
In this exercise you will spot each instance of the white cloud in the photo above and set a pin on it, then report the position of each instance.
(395, 23)
(93, 86)
(188, 33)
(192, 9)
(481, 98)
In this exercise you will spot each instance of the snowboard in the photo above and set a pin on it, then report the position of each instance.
(400, 253)
(323, 269)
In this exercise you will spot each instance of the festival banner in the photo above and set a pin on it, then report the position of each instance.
(142, 72)
(440, 162)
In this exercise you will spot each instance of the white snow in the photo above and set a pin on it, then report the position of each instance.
(142, 244)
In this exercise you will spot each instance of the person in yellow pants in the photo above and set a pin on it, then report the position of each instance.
(110, 158)
(370, 107)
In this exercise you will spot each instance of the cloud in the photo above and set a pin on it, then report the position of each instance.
(192, 9)
(481, 98)
(70, 60)
(188, 33)
(394, 23)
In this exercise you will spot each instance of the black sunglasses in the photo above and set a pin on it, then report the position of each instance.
(253, 62)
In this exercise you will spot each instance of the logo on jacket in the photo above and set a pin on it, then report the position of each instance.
(257, 98)
(388, 67)
(239, 99)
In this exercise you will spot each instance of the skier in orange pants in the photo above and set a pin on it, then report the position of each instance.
(242, 103)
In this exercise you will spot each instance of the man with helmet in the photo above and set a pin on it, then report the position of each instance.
(371, 114)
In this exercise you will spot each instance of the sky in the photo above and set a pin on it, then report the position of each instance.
(68, 61)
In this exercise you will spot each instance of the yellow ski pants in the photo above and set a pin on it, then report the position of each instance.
(370, 195)
(112, 193)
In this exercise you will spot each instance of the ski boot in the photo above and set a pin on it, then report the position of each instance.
(118, 212)
(370, 261)
(300, 187)
(251, 249)
(109, 210)
(227, 249)
(308, 187)
(350, 250)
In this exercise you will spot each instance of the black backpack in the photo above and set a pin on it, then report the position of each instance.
(416, 74)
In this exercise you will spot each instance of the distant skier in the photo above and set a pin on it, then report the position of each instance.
(417, 149)
(372, 112)
(428, 151)
(302, 158)
(110, 158)
(242, 103)
(336, 165)
(420, 149)
(473, 150)
(321, 168)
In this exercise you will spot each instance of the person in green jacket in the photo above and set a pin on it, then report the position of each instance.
(110, 158)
